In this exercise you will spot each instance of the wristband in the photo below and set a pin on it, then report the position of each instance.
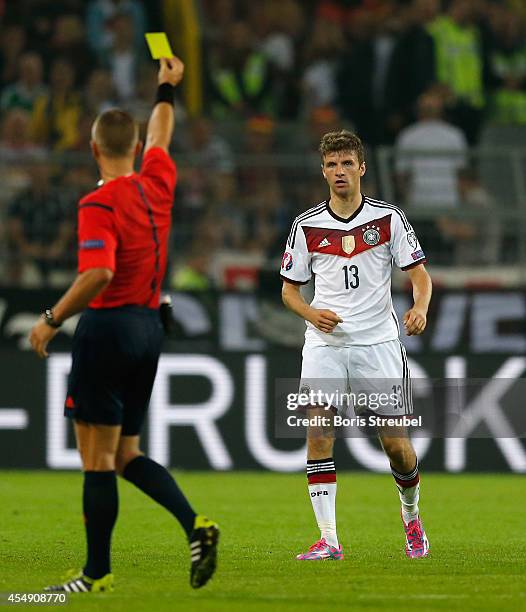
(165, 93)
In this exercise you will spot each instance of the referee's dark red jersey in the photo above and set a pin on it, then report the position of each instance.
(124, 226)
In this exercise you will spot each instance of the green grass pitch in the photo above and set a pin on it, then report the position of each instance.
(475, 523)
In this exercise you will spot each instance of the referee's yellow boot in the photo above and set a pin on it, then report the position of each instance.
(203, 550)
(77, 582)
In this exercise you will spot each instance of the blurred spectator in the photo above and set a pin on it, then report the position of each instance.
(304, 184)
(40, 25)
(256, 17)
(100, 23)
(508, 70)
(285, 24)
(140, 106)
(221, 228)
(68, 40)
(355, 76)
(474, 240)
(280, 46)
(56, 115)
(459, 64)
(219, 16)
(16, 151)
(123, 58)
(209, 178)
(321, 120)
(364, 74)
(29, 86)
(429, 154)
(12, 43)
(518, 7)
(194, 274)
(39, 17)
(16, 144)
(388, 30)
(39, 226)
(412, 69)
(78, 174)
(99, 94)
(342, 11)
(207, 184)
(324, 45)
(84, 128)
(210, 150)
(239, 76)
(260, 194)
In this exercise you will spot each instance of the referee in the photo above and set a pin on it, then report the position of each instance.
(123, 229)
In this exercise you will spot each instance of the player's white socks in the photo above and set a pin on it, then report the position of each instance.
(409, 491)
(409, 498)
(321, 475)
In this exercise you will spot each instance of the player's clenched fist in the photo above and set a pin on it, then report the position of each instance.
(170, 71)
(324, 320)
(414, 321)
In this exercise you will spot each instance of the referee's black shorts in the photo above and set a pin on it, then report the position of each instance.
(115, 355)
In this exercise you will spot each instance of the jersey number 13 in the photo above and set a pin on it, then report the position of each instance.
(352, 280)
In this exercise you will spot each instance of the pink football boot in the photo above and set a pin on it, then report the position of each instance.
(416, 542)
(321, 551)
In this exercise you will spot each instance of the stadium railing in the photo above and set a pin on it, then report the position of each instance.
(493, 254)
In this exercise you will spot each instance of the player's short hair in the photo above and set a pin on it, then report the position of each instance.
(343, 140)
(116, 133)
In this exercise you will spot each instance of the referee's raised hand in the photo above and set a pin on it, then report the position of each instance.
(170, 71)
(161, 123)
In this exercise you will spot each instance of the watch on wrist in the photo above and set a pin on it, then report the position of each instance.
(47, 315)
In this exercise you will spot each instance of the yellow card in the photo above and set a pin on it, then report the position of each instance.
(158, 44)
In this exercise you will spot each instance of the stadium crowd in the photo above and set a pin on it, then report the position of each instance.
(277, 74)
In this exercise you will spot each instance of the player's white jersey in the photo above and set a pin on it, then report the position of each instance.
(351, 262)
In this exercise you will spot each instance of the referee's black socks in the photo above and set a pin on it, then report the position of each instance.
(155, 480)
(101, 505)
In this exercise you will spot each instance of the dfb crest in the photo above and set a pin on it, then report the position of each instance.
(371, 235)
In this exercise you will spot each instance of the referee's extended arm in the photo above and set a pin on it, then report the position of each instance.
(161, 123)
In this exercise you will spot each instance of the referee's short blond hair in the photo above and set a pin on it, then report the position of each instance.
(343, 140)
(116, 133)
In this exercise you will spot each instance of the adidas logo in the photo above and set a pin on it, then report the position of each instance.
(324, 243)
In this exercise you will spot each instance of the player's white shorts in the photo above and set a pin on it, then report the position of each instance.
(353, 379)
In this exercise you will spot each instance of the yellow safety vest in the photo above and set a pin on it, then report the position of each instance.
(509, 105)
(253, 79)
(458, 59)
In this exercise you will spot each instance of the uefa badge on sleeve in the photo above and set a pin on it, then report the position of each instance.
(412, 239)
(286, 262)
